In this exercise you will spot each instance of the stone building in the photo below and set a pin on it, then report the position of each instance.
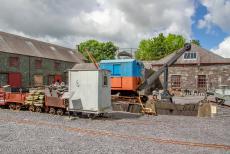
(196, 70)
(26, 62)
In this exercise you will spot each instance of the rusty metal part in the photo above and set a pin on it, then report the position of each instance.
(135, 104)
(60, 112)
(18, 107)
(51, 101)
(38, 109)
(52, 110)
(32, 108)
(12, 106)
(119, 136)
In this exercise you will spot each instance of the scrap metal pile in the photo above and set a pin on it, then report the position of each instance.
(57, 90)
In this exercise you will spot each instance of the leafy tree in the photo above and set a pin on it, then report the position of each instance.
(99, 50)
(197, 42)
(159, 47)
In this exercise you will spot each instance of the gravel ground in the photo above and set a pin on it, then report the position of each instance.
(26, 132)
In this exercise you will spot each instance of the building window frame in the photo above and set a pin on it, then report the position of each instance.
(14, 61)
(57, 66)
(175, 81)
(201, 81)
(190, 56)
(38, 63)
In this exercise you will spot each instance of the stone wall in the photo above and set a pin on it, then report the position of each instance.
(215, 75)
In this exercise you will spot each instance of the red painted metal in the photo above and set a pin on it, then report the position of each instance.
(14, 79)
(58, 78)
(9, 97)
(125, 83)
(116, 82)
(2, 98)
(54, 102)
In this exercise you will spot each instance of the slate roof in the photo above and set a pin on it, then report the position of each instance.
(203, 57)
(11, 43)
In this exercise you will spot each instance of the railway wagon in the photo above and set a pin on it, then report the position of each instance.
(126, 75)
(55, 105)
(17, 100)
(14, 100)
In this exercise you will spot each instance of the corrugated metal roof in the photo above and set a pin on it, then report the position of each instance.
(85, 66)
(203, 57)
(11, 43)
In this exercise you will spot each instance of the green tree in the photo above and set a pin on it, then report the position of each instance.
(99, 50)
(197, 42)
(159, 47)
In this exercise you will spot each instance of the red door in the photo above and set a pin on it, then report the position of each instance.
(14, 79)
(58, 78)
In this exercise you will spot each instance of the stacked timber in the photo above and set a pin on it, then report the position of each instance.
(36, 97)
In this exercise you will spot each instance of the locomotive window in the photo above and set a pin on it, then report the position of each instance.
(116, 70)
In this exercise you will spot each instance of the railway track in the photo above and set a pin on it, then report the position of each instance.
(116, 135)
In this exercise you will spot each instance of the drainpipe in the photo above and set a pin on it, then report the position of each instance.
(29, 73)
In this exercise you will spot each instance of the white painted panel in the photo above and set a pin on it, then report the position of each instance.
(88, 92)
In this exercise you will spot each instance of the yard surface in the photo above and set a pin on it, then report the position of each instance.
(26, 132)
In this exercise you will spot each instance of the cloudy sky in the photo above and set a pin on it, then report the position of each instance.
(125, 22)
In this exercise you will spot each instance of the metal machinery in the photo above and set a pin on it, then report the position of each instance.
(221, 94)
(164, 69)
(127, 77)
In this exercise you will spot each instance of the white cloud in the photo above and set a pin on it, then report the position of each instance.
(218, 14)
(125, 22)
(224, 48)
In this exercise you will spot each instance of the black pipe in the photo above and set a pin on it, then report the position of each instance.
(29, 73)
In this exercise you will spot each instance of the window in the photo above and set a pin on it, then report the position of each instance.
(3, 79)
(38, 80)
(105, 80)
(116, 70)
(57, 65)
(175, 81)
(38, 64)
(190, 55)
(201, 83)
(13, 61)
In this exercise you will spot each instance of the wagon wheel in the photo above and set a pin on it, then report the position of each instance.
(60, 112)
(38, 109)
(79, 114)
(32, 108)
(91, 116)
(12, 106)
(18, 107)
(101, 115)
(47, 109)
(144, 99)
(52, 110)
